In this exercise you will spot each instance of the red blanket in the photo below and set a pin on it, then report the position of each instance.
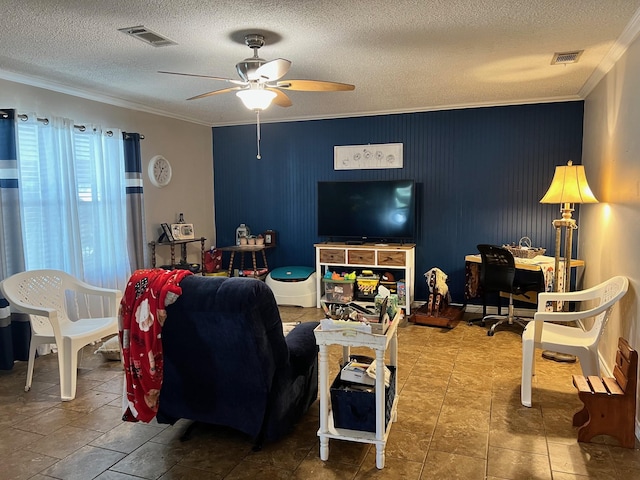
(142, 314)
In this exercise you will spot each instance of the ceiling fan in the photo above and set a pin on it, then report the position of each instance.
(260, 83)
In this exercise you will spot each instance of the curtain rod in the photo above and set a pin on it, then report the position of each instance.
(24, 117)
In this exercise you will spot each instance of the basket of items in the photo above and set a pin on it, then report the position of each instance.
(524, 249)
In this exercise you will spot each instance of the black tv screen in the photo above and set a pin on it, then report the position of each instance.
(375, 210)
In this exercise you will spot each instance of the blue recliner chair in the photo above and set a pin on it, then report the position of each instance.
(227, 362)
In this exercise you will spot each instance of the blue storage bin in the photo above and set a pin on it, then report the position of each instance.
(355, 409)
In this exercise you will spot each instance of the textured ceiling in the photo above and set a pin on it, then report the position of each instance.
(401, 55)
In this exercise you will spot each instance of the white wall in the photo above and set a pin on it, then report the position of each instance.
(187, 146)
(609, 232)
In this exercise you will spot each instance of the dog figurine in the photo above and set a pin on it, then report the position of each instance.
(438, 290)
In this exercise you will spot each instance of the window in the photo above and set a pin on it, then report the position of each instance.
(72, 192)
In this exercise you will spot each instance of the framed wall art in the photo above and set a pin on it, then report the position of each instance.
(362, 157)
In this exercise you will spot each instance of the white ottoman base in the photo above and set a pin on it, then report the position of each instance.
(299, 294)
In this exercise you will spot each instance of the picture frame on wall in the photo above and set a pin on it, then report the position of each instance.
(368, 157)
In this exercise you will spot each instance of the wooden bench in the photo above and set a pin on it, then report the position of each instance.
(609, 403)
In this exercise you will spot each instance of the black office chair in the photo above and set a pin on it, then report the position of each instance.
(498, 274)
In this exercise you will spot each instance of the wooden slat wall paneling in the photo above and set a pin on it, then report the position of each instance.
(481, 173)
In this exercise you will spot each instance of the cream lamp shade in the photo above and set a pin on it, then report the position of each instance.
(256, 99)
(569, 185)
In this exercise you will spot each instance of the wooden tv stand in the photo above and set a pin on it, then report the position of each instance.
(388, 256)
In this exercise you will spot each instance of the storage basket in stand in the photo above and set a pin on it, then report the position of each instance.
(338, 291)
(524, 249)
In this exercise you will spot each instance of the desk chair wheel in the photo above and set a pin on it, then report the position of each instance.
(490, 333)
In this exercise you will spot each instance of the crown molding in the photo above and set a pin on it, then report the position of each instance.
(90, 95)
(437, 108)
(626, 38)
(117, 102)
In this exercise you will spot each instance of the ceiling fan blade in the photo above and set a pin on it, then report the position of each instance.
(281, 98)
(314, 86)
(222, 79)
(273, 70)
(215, 92)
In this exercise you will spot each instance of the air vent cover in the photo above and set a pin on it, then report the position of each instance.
(147, 36)
(566, 57)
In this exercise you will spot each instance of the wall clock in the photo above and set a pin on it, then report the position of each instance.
(159, 171)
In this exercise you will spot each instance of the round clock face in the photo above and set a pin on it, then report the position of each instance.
(159, 171)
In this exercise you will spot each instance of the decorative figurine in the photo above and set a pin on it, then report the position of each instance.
(439, 296)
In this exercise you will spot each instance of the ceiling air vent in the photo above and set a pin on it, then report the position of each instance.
(566, 57)
(147, 36)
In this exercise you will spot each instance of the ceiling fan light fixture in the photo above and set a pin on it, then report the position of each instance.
(256, 99)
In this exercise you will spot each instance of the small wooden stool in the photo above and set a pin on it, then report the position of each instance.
(609, 403)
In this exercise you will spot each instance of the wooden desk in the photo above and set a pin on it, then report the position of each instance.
(541, 263)
(244, 249)
(533, 264)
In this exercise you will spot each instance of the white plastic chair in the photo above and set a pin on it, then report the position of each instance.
(46, 295)
(596, 302)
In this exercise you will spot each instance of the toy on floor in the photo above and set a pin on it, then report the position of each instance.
(437, 311)
(439, 296)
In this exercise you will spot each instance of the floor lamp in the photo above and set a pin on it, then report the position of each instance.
(568, 187)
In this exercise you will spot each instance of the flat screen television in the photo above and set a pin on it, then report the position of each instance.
(367, 210)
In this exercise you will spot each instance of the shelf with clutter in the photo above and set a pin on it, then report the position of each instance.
(391, 265)
(358, 413)
(178, 234)
(366, 288)
(182, 262)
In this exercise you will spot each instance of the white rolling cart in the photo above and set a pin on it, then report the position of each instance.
(379, 343)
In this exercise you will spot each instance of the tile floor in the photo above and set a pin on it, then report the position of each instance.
(459, 416)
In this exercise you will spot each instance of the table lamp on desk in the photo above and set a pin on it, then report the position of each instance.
(568, 187)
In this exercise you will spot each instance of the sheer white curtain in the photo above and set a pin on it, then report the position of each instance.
(72, 192)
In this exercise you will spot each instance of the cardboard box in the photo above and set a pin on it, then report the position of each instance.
(356, 372)
(354, 408)
(338, 291)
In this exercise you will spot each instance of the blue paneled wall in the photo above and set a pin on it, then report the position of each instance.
(481, 173)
